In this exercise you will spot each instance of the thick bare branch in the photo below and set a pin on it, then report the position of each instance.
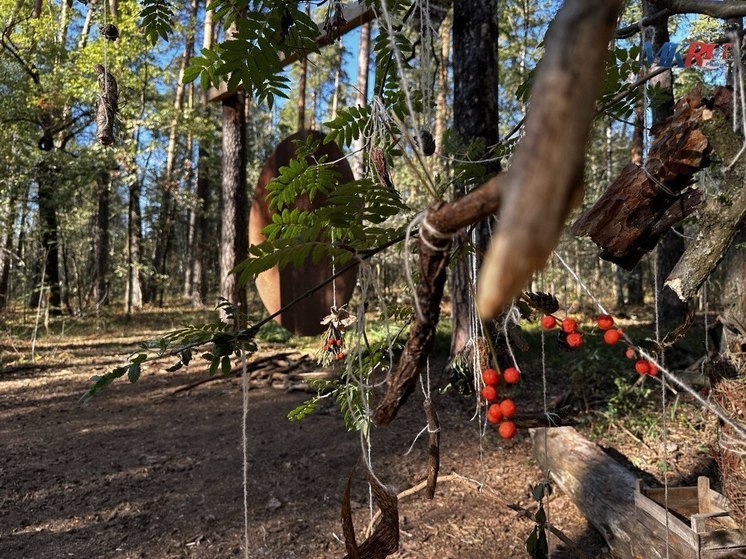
(545, 175)
(713, 8)
(544, 181)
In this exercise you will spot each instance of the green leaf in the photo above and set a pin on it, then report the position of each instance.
(133, 373)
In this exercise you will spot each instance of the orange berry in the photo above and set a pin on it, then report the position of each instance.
(612, 336)
(511, 375)
(491, 377)
(630, 353)
(548, 321)
(494, 413)
(604, 321)
(507, 429)
(569, 326)
(575, 339)
(339, 356)
(653, 369)
(508, 408)
(642, 366)
(489, 393)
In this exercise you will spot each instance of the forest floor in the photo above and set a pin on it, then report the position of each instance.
(141, 472)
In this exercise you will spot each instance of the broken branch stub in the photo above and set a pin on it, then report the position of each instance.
(108, 105)
(544, 181)
(723, 214)
(643, 203)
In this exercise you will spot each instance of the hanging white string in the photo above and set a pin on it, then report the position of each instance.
(245, 449)
(664, 423)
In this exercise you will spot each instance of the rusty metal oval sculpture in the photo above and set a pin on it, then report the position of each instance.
(278, 287)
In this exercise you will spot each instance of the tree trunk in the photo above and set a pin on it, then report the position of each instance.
(49, 242)
(302, 79)
(475, 115)
(165, 230)
(133, 298)
(361, 95)
(234, 232)
(38, 5)
(6, 251)
(441, 112)
(671, 310)
(86, 30)
(100, 268)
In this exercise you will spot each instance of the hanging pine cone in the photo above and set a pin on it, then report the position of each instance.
(428, 142)
(545, 303)
(378, 158)
(109, 31)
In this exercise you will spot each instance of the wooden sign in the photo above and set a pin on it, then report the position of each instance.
(278, 287)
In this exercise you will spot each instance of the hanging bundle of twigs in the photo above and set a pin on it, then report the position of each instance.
(108, 106)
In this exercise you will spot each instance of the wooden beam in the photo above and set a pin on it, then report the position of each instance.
(355, 15)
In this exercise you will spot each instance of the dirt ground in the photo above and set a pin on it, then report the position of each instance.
(142, 473)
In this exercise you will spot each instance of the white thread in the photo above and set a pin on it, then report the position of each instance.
(664, 423)
(245, 448)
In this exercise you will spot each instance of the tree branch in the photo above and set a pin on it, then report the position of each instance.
(635, 28)
(713, 8)
(537, 192)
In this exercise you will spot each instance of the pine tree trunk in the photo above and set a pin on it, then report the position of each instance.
(671, 310)
(441, 112)
(49, 242)
(98, 262)
(204, 188)
(302, 79)
(165, 231)
(475, 115)
(234, 235)
(361, 95)
(133, 296)
(6, 251)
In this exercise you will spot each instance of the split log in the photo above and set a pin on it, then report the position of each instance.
(643, 203)
(722, 217)
(601, 488)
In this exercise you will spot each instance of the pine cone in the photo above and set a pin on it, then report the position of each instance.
(542, 302)
(378, 158)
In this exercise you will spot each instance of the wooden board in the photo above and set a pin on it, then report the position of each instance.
(278, 287)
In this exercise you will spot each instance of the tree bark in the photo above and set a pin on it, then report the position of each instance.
(6, 251)
(235, 211)
(133, 296)
(475, 117)
(671, 310)
(165, 230)
(49, 242)
(302, 80)
(441, 112)
(100, 254)
(361, 95)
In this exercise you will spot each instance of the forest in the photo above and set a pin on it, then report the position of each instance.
(373, 278)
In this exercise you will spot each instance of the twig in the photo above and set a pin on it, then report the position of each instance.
(479, 486)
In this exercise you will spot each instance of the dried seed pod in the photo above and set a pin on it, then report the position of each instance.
(108, 106)
(428, 142)
(110, 32)
(378, 158)
(546, 303)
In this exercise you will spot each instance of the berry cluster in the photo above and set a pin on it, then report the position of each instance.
(500, 412)
(333, 348)
(570, 337)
